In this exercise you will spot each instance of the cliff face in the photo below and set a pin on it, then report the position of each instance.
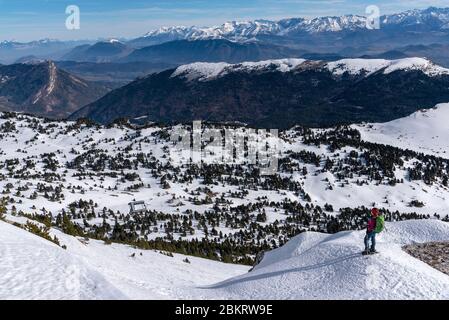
(45, 90)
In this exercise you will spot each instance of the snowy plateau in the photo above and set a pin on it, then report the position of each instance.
(67, 233)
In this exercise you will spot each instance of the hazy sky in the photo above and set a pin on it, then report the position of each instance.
(25, 20)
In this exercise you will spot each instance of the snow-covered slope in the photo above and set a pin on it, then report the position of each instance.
(34, 268)
(318, 266)
(90, 174)
(54, 158)
(147, 274)
(368, 66)
(203, 71)
(206, 71)
(424, 131)
(310, 266)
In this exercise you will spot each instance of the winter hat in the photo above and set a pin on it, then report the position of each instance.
(375, 212)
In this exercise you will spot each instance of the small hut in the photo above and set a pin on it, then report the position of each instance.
(137, 207)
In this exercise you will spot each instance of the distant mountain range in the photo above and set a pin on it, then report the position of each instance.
(45, 90)
(431, 19)
(43, 49)
(214, 50)
(269, 93)
(179, 52)
(103, 51)
(345, 36)
(279, 93)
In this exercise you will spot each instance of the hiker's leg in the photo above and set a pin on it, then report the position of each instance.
(373, 241)
(366, 242)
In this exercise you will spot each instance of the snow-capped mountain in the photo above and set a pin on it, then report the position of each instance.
(245, 30)
(210, 71)
(279, 93)
(431, 18)
(232, 29)
(344, 36)
(435, 18)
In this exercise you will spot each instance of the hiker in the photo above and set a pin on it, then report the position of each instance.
(375, 225)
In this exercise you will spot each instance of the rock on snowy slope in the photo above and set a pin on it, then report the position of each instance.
(279, 93)
(34, 268)
(423, 131)
(319, 266)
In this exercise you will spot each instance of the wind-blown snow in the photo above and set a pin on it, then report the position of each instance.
(424, 131)
(317, 266)
(205, 71)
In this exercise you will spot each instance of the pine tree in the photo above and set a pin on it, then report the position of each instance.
(2, 209)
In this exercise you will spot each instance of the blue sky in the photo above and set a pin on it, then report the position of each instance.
(26, 20)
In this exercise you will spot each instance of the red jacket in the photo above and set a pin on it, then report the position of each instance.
(371, 224)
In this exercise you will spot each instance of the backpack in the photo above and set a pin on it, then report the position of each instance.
(380, 224)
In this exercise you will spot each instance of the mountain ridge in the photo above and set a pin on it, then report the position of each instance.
(345, 35)
(279, 93)
(44, 89)
(435, 18)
